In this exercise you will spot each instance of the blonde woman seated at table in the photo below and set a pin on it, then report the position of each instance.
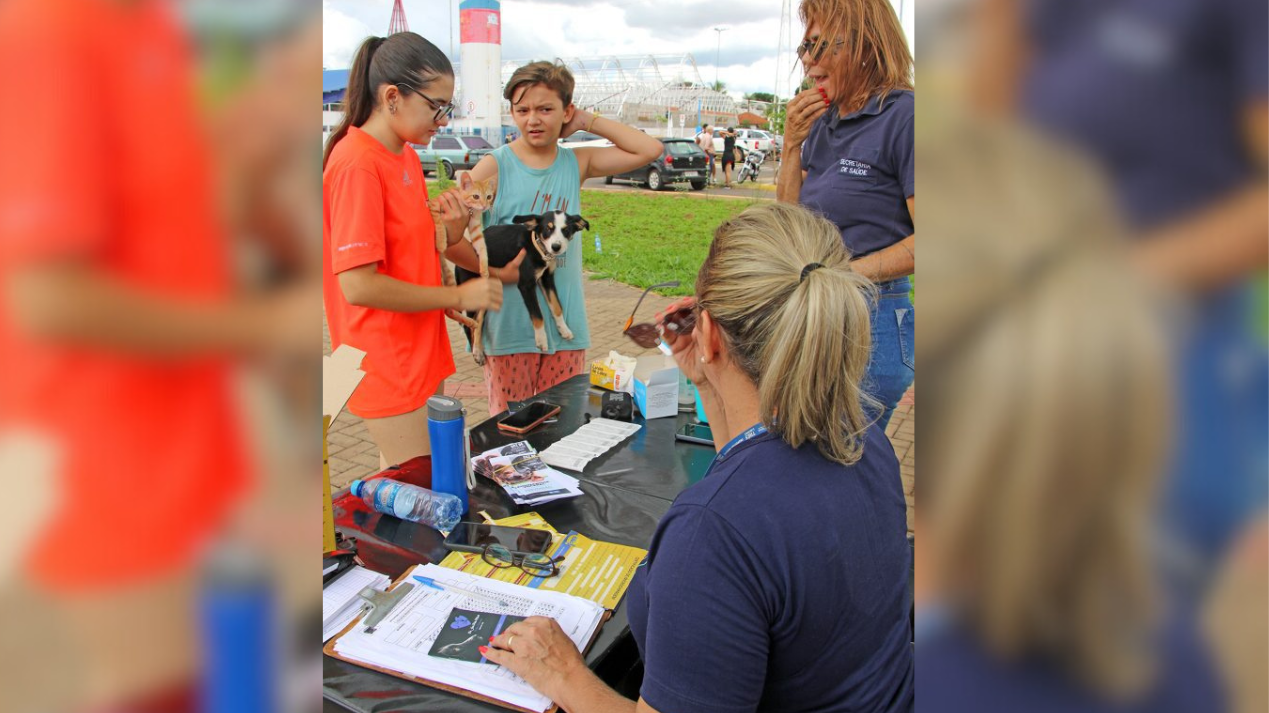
(780, 581)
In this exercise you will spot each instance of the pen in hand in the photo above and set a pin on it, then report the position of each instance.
(444, 586)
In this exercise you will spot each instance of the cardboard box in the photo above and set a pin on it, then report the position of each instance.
(605, 377)
(341, 372)
(656, 386)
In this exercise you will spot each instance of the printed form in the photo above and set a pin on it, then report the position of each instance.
(401, 641)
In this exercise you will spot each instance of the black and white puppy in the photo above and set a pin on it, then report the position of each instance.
(544, 239)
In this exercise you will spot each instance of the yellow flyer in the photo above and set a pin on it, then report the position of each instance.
(590, 569)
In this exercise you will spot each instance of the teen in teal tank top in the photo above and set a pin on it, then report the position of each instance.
(529, 191)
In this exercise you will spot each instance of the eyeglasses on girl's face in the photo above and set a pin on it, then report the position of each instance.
(816, 47)
(444, 110)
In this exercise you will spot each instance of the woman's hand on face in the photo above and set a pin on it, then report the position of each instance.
(538, 651)
(454, 214)
(801, 112)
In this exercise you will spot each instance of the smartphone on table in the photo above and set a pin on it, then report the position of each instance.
(476, 536)
(528, 418)
(695, 433)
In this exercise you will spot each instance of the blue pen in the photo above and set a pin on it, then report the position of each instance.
(445, 586)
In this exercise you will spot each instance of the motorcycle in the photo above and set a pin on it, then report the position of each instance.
(749, 169)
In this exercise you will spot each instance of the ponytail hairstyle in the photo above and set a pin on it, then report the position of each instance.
(401, 58)
(795, 317)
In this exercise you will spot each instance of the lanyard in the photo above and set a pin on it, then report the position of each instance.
(753, 432)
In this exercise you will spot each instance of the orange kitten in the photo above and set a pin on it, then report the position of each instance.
(478, 196)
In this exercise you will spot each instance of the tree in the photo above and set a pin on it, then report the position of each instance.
(761, 97)
(775, 113)
(719, 86)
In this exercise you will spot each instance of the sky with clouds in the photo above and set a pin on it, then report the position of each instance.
(546, 29)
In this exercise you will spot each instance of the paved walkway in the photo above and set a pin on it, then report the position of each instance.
(353, 455)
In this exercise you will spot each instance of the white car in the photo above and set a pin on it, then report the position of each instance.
(584, 139)
(746, 139)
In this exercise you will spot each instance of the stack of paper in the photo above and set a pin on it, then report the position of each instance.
(520, 472)
(340, 602)
(402, 640)
(588, 443)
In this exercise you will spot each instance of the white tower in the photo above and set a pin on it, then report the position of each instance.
(480, 54)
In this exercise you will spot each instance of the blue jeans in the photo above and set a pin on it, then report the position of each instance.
(891, 369)
(1216, 484)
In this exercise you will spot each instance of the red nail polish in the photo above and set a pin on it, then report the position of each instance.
(483, 650)
(491, 639)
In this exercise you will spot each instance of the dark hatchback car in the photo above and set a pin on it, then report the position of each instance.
(680, 160)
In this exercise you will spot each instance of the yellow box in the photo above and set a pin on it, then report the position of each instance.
(603, 376)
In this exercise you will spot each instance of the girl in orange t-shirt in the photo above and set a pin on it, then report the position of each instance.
(382, 276)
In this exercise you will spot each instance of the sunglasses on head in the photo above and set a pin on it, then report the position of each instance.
(675, 324)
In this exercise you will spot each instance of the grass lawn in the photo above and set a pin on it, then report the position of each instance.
(649, 237)
(652, 237)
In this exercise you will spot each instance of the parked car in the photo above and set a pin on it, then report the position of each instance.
(762, 139)
(680, 160)
(746, 140)
(453, 152)
(584, 139)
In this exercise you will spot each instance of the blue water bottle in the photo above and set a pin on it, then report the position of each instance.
(447, 429)
(237, 628)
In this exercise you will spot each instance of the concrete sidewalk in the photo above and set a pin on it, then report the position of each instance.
(353, 454)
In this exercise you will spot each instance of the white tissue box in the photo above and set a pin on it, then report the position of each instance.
(656, 386)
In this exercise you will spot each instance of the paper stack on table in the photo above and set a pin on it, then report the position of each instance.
(520, 472)
(340, 602)
(588, 443)
(402, 640)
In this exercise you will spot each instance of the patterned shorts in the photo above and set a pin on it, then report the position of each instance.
(515, 377)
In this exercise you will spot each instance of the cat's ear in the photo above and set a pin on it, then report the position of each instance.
(464, 180)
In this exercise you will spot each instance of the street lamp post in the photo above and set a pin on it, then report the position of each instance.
(717, 50)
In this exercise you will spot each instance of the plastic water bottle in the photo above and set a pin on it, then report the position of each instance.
(687, 392)
(449, 447)
(599, 247)
(409, 502)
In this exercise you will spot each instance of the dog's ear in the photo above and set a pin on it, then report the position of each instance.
(528, 221)
(577, 222)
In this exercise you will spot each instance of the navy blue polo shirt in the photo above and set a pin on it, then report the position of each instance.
(959, 675)
(1154, 90)
(860, 171)
(779, 583)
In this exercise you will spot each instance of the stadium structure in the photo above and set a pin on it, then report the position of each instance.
(662, 94)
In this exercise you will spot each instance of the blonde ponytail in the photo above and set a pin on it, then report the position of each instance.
(800, 332)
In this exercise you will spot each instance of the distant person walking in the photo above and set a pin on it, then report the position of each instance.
(729, 155)
(705, 140)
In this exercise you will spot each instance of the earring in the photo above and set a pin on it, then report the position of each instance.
(392, 108)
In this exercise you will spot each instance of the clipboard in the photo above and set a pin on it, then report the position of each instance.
(329, 650)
